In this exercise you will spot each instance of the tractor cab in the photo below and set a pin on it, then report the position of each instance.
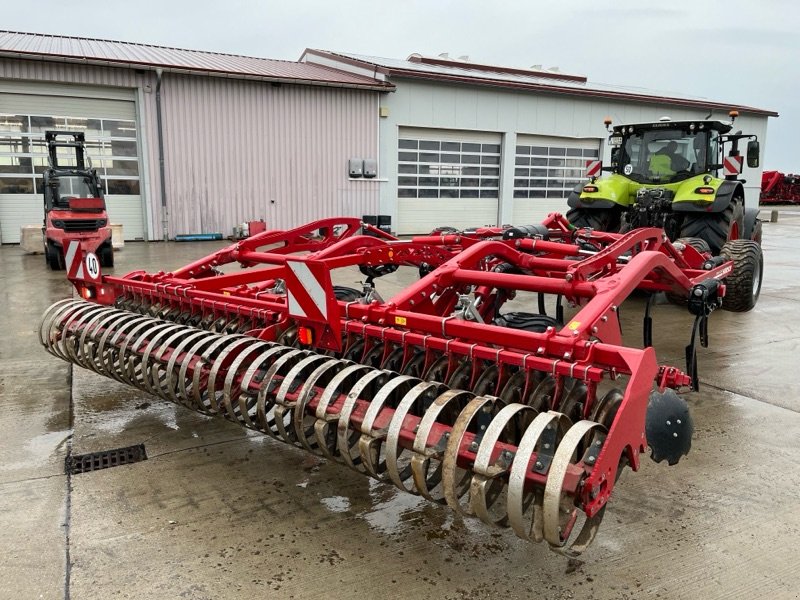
(681, 176)
(666, 152)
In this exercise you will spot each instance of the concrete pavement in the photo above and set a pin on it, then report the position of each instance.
(217, 512)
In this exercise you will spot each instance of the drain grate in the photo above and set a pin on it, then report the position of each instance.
(94, 461)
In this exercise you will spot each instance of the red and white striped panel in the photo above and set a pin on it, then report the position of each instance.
(731, 165)
(79, 266)
(593, 168)
(309, 291)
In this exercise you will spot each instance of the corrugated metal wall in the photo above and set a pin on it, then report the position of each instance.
(239, 150)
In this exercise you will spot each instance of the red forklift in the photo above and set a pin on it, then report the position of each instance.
(74, 206)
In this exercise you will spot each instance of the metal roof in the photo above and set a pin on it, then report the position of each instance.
(115, 53)
(465, 72)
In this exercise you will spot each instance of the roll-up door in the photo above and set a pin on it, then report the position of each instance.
(106, 116)
(546, 170)
(447, 178)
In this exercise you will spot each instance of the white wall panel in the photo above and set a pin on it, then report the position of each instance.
(417, 214)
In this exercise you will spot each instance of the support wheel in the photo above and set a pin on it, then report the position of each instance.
(716, 228)
(744, 284)
(599, 219)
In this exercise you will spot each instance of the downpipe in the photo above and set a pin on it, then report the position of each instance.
(161, 167)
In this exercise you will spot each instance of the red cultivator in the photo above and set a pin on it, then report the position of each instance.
(777, 188)
(519, 418)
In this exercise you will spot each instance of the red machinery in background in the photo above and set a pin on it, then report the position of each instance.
(523, 419)
(74, 206)
(779, 188)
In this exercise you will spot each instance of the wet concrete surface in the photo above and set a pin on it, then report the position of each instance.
(218, 512)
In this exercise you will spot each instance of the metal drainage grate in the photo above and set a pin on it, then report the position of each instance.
(94, 461)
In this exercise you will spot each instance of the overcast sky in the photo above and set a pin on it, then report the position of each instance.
(740, 52)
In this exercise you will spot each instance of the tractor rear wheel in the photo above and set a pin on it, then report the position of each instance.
(716, 228)
(743, 286)
(755, 234)
(599, 219)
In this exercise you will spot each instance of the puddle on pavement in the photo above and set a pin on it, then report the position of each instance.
(38, 450)
(336, 504)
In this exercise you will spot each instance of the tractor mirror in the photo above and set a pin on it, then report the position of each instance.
(752, 154)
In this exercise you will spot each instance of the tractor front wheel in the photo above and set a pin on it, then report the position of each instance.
(716, 228)
(599, 219)
(743, 286)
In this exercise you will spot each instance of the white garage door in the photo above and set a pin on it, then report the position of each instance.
(27, 110)
(447, 178)
(545, 172)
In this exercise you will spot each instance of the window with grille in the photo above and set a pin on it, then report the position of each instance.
(549, 171)
(111, 145)
(446, 169)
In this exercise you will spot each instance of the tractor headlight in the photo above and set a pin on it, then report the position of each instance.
(58, 224)
(101, 222)
(692, 126)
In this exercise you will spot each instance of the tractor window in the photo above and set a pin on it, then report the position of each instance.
(664, 155)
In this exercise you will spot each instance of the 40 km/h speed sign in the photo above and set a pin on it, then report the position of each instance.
(92, 265)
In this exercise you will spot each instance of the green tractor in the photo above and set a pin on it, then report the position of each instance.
(675, 175)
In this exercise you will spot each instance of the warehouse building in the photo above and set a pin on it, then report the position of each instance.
(468, 144)
(242, 138)
(452, 142)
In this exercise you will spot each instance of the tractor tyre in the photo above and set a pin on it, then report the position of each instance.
(106, 256)
(755, 235)
(752, 225)
(716, 228)
(698, 244)
(599, 219)
(743, 285)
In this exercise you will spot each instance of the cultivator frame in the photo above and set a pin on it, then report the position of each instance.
(537, 441)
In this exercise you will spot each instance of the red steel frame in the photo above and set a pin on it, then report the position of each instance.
(594, 271)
